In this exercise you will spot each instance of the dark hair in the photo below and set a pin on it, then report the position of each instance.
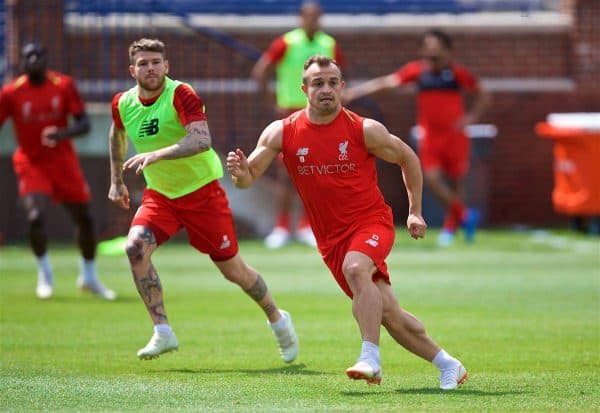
(322, 61)
(147, 45)
(32, 48)
(443, 37)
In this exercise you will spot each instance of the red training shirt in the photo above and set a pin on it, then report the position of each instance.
(334, 173)
(279, 46)
(439, 100)
(34, 107)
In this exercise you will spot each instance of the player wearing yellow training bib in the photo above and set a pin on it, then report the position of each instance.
(165, 121)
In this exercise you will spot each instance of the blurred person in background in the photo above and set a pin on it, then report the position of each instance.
(286, 55)
(166, 123)
(40, 103)
(443, 146)
(330, 154)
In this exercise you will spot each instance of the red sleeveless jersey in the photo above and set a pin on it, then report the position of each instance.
(334, 174)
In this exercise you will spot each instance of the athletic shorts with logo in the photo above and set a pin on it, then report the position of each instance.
(373, 239)
(203, 213)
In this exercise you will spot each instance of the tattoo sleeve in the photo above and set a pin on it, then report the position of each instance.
(196, 141)
(118, 149)
(258, 290)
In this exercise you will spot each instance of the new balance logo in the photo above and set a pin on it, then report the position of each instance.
(149, 127)
(226, 243)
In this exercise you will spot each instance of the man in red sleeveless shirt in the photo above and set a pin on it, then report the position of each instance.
(40, 102)
(286, 54)
(330, 155)
(443, 145)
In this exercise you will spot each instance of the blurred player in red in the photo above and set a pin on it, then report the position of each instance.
(330, 155)
(47, 168)
(286, 56)
(443, 145)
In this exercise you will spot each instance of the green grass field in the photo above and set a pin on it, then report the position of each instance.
(520, 309)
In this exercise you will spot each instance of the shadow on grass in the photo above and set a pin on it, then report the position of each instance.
(432, 391)
(459, 392)
(84, 297)
(292, 370)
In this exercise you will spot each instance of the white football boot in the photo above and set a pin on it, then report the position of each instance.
(453, 377)
(43, 290)
(364, 371)
(158, 345)
(96, 287)
(286, 338)
(278, 238)
(306, 236)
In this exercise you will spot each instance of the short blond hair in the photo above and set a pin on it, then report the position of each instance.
(147, 45)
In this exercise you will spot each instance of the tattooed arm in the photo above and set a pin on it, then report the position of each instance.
(118, 192)
(197, 140)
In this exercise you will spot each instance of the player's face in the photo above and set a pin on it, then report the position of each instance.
(323, 88)
(149, 69)
(434, 53)
(35, 63)
(310, 15)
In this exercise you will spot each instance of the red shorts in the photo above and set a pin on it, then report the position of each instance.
(448, 152)
(204, 214)
(374, 240)
(60, 178)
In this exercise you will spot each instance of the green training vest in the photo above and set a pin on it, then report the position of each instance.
(157, 126)
(290, 68)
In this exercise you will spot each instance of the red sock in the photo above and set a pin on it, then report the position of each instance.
(283, 220)
(450, 223)
(458, 210)
(304, 222)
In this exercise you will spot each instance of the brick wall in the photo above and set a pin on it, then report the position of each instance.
(520, 164)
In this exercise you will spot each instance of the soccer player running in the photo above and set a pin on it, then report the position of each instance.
(40, 103)
(286, 55)
(165, 120)
(443, 147)
(330, 155)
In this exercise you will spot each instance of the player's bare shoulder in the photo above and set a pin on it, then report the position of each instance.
(374, 132)
(272, 135)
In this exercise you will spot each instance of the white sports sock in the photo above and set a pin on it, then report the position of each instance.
(45, 269)
(88, 269)
(163, 329)
(370, 353)
(443, 360)
(279, 324)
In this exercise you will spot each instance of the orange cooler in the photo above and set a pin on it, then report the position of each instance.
(576, 167)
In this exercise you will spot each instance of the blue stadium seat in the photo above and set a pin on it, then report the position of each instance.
(291, 6)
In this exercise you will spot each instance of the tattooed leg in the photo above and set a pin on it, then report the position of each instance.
(141, 243)
(236, 271)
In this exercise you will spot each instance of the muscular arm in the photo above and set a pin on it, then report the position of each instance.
(118, 192)
(371, 86)
(259, 73)
(481, 102)
(381, 143)
(196, 141)
(118, 149)
(245, 171)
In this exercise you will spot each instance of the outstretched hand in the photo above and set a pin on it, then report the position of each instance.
(140, 161)
(416, 226)
(237, 163)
